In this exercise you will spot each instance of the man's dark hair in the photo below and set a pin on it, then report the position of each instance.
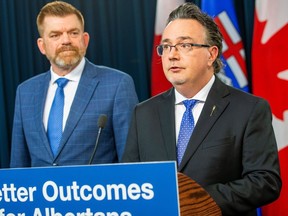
(213, 34)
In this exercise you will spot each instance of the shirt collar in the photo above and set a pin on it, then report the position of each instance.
(201, 95)
(74, 75)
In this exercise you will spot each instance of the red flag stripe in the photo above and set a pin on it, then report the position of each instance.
(269, 76)
(159, 82)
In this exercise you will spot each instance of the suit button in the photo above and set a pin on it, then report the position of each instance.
(55, 164)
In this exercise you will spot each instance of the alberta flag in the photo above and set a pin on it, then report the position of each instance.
(234, 72)
(270, 81)
(159, 82)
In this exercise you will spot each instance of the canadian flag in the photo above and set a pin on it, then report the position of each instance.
(159, 82)
(270, 81)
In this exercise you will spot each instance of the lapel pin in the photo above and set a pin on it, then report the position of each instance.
(212, 111)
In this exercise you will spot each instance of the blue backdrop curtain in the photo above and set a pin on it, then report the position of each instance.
(121, 36)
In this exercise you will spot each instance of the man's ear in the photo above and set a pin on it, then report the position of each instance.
(213, 50)
(41, 45)
(86, 38)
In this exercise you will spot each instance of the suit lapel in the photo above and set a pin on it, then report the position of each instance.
(85, 90)
(212, 110)
(40, 95)
(166, 110)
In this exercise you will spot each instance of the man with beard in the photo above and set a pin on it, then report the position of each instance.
(70, 97)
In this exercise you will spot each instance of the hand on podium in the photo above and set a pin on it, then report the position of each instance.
(194, 200)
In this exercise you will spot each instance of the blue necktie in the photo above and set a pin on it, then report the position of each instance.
(55, 121)
(186, 129)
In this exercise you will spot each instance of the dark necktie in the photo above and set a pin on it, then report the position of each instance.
(55, 120)
(186, 129)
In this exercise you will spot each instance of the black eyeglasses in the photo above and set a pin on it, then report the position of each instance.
(184, 48)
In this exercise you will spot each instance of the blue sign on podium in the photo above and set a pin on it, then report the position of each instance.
(134, 189)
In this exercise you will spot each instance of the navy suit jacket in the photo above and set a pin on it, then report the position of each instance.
(232, 152)
(101, 90)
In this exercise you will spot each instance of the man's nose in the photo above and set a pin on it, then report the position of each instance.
(66, 38)
(173, 52)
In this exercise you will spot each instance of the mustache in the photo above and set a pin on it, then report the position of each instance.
(67, 48)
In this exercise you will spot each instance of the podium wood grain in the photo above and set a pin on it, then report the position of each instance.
(194, 200)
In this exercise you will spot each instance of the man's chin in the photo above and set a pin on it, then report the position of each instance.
(67, 63)
(175, 81)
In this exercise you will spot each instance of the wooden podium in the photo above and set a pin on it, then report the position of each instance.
(194, 200)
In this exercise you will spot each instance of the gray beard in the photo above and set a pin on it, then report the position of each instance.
(61, 63)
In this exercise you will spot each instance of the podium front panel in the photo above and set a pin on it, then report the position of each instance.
(133, 189)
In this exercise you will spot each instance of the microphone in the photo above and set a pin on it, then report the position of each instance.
(101, 124)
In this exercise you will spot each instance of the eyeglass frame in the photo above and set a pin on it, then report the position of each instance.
(175, 46)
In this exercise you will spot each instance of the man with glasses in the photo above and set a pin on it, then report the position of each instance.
(220, 137)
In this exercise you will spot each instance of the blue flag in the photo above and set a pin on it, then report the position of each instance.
(234, 73)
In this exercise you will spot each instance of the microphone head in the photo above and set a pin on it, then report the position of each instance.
(102, 120)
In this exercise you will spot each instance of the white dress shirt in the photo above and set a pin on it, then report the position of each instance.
(196, 111)
(69, 92)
